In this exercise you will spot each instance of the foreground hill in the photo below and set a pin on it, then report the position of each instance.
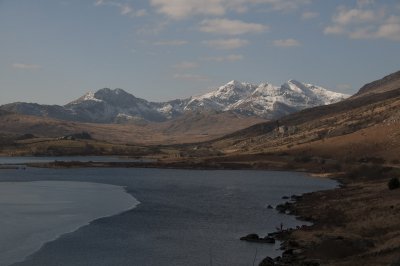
(117, 106)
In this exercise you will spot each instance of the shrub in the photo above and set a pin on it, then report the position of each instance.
(374, 160)
(368, 171)
(394, 183)
(303, 159)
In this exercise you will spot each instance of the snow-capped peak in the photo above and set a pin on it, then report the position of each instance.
(87, 97)
(294, 85)
(235, 83)
(90, 97)
(263, 100)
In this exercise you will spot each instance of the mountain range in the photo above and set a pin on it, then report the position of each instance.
(117, 106)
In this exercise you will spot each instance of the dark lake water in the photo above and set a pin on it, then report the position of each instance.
(185, 217)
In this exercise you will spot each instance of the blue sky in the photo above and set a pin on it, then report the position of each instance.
(53, 51)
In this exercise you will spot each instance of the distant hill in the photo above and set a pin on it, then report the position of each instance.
(191, 127)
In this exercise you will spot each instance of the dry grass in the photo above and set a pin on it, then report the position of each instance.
(367, 225)
(187, 129)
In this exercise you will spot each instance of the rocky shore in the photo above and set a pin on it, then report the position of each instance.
(356, 224)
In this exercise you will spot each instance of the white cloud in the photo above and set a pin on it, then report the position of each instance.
(191, 77)
(26, 66)
(309, 15)
(185, 65)
(230, 27)
(282, 5)
(286, 43)
(334, 29)
(355, 16)
(363, 22)
(363, 3)
(171, 43)
(125, 9)
(390, 29)
(228, 58)
(226, 44)
(180, 9)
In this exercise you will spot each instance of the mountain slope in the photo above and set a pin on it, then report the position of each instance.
(117, 106)
(385, 84)
(364, 126)
(264, 100)
(106, 106)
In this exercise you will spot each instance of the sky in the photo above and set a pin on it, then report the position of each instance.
(54, 51)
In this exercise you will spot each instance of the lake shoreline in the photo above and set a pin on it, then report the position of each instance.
(228, 193)
(322, 208)
(62, 206)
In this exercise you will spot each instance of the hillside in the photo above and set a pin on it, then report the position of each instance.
(385, 84)
(191, 127)
(367, 125)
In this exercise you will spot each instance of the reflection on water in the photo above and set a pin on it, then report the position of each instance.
(33, 213)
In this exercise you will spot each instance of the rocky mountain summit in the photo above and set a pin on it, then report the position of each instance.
(118, 106)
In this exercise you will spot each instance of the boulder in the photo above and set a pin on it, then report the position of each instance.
(250, 237)
(268, 261)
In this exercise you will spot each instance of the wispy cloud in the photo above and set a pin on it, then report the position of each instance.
(226, 44)
(153, 29)
(365, 22)
(362, 3)
(191, 77)
(125, 9)
(280, 5)
(286, 43)
(26, 66)
(230, 27)
(181, 9)
(171, 43)
(228, 58)
(309, 15)
(185, 65)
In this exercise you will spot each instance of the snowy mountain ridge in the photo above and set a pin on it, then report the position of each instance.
(117, 106)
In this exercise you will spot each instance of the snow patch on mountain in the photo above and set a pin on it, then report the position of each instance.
(115, 106)
(90, 97)
(264, 100)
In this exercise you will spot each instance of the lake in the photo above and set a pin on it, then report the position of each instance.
(185, 217)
